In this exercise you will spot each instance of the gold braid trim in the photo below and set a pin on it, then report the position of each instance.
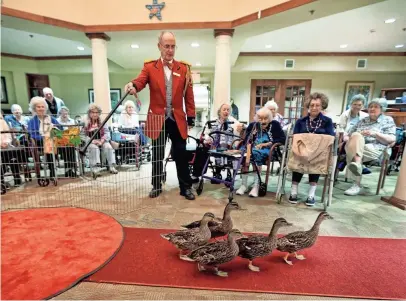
(188, 80)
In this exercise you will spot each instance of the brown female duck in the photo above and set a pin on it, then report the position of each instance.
(256, 246)
(300, 240)
(217, 253)
(190, 239)
(219, 227)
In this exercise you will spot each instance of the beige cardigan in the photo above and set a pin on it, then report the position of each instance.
(310, 153)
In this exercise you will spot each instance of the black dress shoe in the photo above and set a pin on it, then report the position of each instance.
(155, 192)
(188, 194)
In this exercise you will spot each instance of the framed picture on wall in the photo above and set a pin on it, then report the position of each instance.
(115, 96)
(4, 96)
(354, 88)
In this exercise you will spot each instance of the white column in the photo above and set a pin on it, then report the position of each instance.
(222, 70)
(100, 68)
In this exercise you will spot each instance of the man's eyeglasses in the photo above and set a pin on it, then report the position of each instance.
(171, 47)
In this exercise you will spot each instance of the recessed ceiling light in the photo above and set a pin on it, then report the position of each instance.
(195, 45)
(399, 46)
(268, 46)
(198, 64)
(134, 46)
(391, 20)
(343, 46)
(81, 48)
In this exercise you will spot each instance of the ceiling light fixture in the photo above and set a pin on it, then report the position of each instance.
(81, 48)
(391, 20)
(343, 46)
(134, 46)
(399, 46)
(195, 45)
(268, 46)
(198, 64)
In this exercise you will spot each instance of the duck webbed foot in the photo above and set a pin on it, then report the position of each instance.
(286, 259)
(253, 267)
(220, 273)
(299, 257)
(184, 256)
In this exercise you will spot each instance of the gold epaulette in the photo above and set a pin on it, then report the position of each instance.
(185, 63)
(149, 61)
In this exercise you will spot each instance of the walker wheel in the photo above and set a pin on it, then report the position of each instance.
(43, 182)
(279, 198)
(262, 190)
(55, 181)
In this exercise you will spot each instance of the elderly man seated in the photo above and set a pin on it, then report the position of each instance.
(264, 132)
(367, 139)
(222, 125)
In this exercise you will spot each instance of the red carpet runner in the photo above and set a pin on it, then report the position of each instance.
(335, 266)
(46, 251)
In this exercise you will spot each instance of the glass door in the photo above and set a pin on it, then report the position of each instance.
(261, 92)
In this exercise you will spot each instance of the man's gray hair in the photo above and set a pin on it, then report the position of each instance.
(264, 112)
(162, 34)
(358, 97)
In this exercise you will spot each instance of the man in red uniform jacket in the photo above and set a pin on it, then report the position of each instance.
(169, 83)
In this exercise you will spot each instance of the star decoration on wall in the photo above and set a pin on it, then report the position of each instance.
(155, 9)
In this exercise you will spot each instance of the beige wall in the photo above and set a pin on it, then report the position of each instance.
(330, 83)
(100, 12)
(71, 80)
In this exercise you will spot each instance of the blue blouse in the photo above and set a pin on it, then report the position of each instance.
(326, 126)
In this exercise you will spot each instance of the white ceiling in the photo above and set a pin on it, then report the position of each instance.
(350, 27)
(321, 34)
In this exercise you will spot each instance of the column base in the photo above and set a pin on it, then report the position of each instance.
(401, 204)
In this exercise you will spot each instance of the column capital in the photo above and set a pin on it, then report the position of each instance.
(223, 32)
(98, 35)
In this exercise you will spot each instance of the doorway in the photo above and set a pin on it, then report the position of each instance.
(289, 94)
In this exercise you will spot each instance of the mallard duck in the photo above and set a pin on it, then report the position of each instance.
(217, 253)
(190, 239)
(300, 240)
(219, 227)
(259, 245)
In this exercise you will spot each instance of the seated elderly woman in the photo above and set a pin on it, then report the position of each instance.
(265, 131)
(354, 114)
(367, 139)
(129, 121)
(221, 124)
(102, 140)
(10, 155)
(273, 106)
(64, 118)
(40, 126)
(67, 152)
(349, 118)
(17, 121)
(317, 123)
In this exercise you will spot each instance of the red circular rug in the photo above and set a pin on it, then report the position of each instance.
(47, 251)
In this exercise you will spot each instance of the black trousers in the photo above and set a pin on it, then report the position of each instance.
(297, 177)
(178, 154)
(12, 158)
(68, 155)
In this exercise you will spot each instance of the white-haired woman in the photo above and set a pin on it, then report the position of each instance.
(64, 118)
(367, 139)
(17, 121)
(264, 131)
(102, 140)
(273, 107)
(40, 126)
(225, 141)
(129, 121)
